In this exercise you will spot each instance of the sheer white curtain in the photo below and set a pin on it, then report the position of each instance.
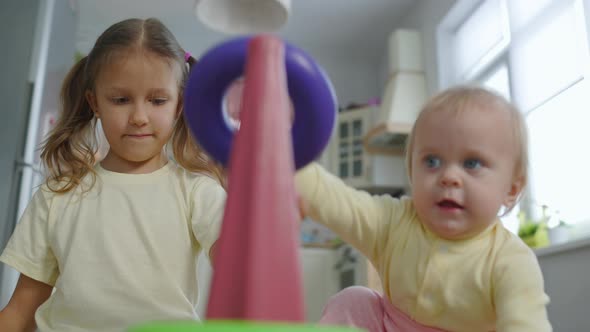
(535, 52)
(549, 52)
(482, 36)
(550, 60)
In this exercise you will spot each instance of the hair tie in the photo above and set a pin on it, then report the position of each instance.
(187, 56)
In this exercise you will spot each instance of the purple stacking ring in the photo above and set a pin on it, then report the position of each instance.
(310, 90)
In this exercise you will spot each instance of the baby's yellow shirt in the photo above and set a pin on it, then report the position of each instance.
(489, 282)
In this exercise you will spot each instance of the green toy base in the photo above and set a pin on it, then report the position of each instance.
(238, 326)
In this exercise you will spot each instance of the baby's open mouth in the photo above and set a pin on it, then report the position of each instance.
(449, 204)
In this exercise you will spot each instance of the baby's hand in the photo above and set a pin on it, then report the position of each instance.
(302, 206)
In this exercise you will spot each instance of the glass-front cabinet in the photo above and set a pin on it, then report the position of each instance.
(351, 163)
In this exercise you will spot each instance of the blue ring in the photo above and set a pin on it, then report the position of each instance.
(310, 90)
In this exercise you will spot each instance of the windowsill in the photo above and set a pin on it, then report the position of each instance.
(579, 238)
(566, 246)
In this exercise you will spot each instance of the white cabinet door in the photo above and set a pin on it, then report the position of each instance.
(320, 280)
(351, 162)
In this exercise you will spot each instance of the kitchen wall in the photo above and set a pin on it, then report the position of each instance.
(17, 32)
(354, 78)
(16, 38)
(38, 39)
(566, 271)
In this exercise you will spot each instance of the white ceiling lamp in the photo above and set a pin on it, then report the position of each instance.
(243, 16)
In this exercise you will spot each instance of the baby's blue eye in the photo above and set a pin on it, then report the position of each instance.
(432, 161)
(472, 163)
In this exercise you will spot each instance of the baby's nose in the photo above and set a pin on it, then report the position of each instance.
(450, 177)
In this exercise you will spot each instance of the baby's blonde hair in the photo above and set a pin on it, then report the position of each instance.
(466, 98)
(69, 151)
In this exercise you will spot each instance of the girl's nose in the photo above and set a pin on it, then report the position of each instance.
(138, 116)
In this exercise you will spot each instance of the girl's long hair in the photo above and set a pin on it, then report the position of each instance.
(69, 152)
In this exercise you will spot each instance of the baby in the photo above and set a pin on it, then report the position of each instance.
(445, 259)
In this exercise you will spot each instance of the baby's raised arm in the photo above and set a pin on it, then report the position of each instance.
(357, 217)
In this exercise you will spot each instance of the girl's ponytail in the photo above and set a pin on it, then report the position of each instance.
(68, 152)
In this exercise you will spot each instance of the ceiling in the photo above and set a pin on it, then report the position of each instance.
(355, 27)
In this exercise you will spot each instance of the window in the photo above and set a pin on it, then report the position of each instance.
(548, 55)
(483, 35)
(535, 53)
(498, 80)
(559, 153)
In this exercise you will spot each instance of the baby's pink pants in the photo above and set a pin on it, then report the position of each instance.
(365, 308)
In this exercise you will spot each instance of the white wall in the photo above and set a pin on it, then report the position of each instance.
(354, 78)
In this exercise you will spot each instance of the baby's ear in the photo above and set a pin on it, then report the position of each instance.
(515, 190)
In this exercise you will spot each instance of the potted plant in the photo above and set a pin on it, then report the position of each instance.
(559, 233)
(533, 232)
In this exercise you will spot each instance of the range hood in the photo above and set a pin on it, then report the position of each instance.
(404, 95)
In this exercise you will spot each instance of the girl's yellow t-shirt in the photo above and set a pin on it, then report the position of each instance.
(123, 253)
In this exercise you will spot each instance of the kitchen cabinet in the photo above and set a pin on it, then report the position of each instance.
(327, 271)
(320, 279)
(351, 160)
(354, 164)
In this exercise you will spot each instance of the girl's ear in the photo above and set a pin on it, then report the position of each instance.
(91, 99)
(515, 189)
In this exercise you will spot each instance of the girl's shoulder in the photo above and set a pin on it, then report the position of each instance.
(48, 196)
(69, 185)
(199, 189)
(195, 180)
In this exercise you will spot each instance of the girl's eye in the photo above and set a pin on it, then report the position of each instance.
(158, 101)
(472, 163)
(120, 100)
(432, 162)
